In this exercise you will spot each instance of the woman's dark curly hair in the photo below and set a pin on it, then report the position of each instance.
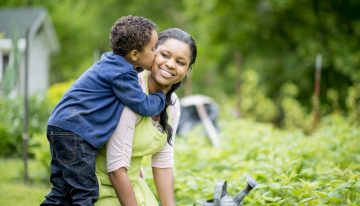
(129, 33)
(178, 34)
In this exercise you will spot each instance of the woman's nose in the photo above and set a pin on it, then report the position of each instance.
(170, 63)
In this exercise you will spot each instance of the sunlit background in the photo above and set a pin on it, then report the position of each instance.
(284, 76)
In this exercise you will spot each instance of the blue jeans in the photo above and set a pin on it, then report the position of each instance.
(72, 169)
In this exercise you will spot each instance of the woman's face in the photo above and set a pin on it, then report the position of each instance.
(171, 63)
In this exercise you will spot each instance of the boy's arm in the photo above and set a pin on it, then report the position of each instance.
(129, 91)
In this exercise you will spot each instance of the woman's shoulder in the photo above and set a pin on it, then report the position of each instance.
(174, 106)
(174, 97)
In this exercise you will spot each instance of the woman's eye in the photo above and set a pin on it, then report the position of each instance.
(164, 55)
(181, 63)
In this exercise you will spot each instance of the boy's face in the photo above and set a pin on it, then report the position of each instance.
(147, 55)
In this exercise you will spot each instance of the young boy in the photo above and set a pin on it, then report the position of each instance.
(89, 111)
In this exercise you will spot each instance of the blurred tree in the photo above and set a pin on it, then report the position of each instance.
(280, 39)
(277, 38)
(83, 27)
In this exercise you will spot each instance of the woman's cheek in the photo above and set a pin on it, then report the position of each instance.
(159, 58)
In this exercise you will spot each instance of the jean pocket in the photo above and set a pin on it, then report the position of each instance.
(65, 146)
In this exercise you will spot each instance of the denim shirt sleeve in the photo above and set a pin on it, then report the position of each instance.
(127, 88)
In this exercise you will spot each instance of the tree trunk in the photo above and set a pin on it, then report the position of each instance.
(238, 62)
(316, 100)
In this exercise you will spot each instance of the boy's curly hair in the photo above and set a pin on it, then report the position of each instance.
(129, 33)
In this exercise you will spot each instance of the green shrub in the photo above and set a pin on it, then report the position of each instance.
(56, 91)
(294, 115)
(285, 112)
(12, 113)
(12, 121)
(254, 104)
(8, 143)
(291, 167)
(40, 150)
(353, 103)
(11, 127)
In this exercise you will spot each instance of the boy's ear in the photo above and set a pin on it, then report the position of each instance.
(134, 55)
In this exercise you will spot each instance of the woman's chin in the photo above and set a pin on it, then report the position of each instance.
(165, 84)
(165, 81)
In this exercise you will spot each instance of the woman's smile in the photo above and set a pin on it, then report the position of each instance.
(166, 73)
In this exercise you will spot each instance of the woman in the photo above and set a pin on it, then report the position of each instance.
(135, 136)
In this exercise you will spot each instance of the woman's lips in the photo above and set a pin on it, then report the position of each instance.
(166, 73)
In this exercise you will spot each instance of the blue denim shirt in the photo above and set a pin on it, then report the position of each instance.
(91, 108)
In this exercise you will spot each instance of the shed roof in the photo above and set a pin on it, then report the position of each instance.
(16, 21)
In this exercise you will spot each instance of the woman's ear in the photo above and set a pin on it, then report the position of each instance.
(134, 55)
(188, 71)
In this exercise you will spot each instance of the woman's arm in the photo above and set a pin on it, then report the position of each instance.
(118, 156)
(163, 161)
(165, 157)
(122, 186)
(164, 181)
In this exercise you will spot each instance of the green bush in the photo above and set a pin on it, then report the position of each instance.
(40, 150)
(12, 121)
(56, 91)
(255, 104)
(12, 113)
(8, 143)
(353, 103)
(293, 114)
(285, 112)
(291, 167)
(11, 127)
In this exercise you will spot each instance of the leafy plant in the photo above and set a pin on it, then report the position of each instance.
(11, 123)
(56, 91)
(291, 167)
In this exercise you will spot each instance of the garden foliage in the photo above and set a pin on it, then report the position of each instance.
(292, 168)
(12, 121)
